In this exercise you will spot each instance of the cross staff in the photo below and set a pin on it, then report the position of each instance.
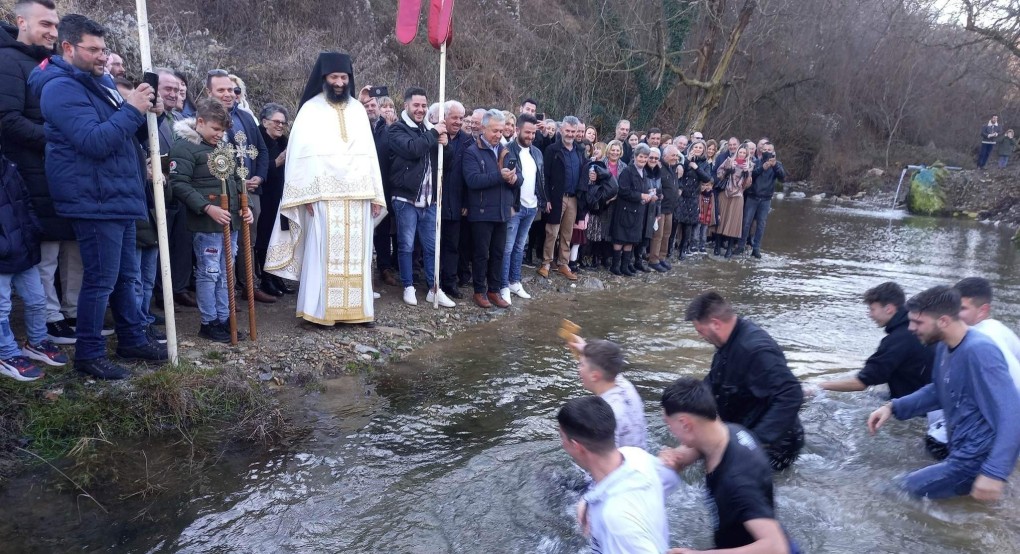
(242, 150)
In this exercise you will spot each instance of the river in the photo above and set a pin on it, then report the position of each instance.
(455, 449)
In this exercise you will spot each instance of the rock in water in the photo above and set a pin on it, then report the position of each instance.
(926, 196)
(797, 194)
(779, 196)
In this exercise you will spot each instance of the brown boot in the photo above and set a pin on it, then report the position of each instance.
(263, 297)
(565, 271)
(496, 299)
(543, 271)
(482, 301)
(390, 278)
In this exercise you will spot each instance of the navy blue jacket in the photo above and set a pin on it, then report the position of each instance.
(91, 159)
(19, 229)
(260, 165)
(764, 184)
(973, 388)
(454, 193)
(489, 197)
(555, 179)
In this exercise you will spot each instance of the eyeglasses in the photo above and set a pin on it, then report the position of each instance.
(276, 122)
(94, 49)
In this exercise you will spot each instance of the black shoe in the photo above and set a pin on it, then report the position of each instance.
(573, 266)
(658, 267)
(60, 332)
(625, 265)
(281, 285)
(665, 264)
(269, 287)
(453, 292)
(102, 368)
(738, 251)
(729, 249)
(213, 331)
(641, 266)
(154, 335)
(159, 320)
(756, 253)
(225, 325)
(615, 267)
(148, 352)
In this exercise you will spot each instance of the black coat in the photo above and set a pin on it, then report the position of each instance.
(753, 386)
(688, 209)
(454, 193)
(411, 148)
(272, 190)
(19, 228)
(628, 212)
(489, 197)
(670, 189)
(604, 189)
(555, 178)
(901, 360)
(764, 184)
(514, 153)
(22, 138)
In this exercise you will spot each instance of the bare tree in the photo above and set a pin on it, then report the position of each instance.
(996, 21)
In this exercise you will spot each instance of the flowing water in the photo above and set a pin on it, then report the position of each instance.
(456, 449)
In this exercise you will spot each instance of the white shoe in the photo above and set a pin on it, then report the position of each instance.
(409, 298)
(444, 300)
(518, 289)
(376, 295)
(505, 294)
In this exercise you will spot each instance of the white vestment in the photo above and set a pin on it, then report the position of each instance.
(331, 166)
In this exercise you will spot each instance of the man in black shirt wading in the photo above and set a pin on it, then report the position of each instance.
(749, 379)
(738, 478)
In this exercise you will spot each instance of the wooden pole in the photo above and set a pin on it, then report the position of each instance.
(439, 172)
(228, 262)
(249, 282)
(157, 191)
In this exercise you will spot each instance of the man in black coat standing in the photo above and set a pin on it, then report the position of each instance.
(750, 379)
(22, 140)
(454, 205)
(566, 182)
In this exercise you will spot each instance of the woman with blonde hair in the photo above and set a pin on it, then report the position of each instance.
(241, 92)
(734, 177)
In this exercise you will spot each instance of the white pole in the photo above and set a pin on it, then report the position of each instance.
(157, 190)
(439, 165)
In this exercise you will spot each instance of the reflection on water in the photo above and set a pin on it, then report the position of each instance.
(455, 450)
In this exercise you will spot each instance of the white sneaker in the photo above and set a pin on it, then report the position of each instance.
(518, 289)
(505, 294)
(376, 295)
(409, 298)
(444, 300)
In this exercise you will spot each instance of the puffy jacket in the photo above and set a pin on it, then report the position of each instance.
(91, 161)
(453, 175)
(514, 153)
(555, 178)
(19, 228)
(194, 185)
(987, 131)
(489, 197)
(410, 147)
(22, 139)
(1007, 145)
(764, 184)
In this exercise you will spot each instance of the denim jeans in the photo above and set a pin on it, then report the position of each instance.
(516, 238)
(945, 479)
(1003, 162)
(411, 222)
(109, 276)
(986, 150)
(30, 289)
(211, 275)
(756, 210)
(148, 259)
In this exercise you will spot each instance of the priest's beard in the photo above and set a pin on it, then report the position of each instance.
(333, 96)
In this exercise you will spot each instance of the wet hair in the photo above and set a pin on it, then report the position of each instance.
(978, 289)
(271, 109)
(22, 4)
(73, 27)
(412, 92)
(525, 118)
(605, 355)
(589, 420)
(212, 111)
(937, 302)
(709, 305)
(688, 395)
(885, 294)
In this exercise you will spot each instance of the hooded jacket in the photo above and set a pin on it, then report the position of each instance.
(91, 160)
(411, 148)
(19, 229)
(900, 360)
(193, 183)
(22, 137)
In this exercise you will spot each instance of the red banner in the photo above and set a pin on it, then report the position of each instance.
(408, 14)
(440, 22)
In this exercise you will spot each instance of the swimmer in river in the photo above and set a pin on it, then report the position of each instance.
(972, 385)
(600, 363)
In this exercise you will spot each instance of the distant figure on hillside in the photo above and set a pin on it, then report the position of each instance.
(989, 136)
(1006, 147)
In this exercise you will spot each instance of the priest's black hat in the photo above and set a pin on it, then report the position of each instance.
(328, 62)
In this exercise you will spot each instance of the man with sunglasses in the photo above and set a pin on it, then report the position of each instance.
(96, 181)
(221, 87)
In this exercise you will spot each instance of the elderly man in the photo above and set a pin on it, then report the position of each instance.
(566, 179)
(454, 208)
(332, 196)
(622, 132)
(89, 124)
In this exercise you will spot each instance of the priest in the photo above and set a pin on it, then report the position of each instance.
(332, 200)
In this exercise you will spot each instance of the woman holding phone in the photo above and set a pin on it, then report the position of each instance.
(734, 177)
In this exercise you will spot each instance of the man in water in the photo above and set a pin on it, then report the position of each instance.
(976, 312)
(971, 384)
(738, 478)
(624, 512)
(752, 384)
(332, 198)
(600, 366)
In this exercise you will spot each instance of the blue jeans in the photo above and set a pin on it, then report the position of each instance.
(109, 276)
(412, 221)
(945, 479)
(757, 210)
(148, 259)
(1003, 162)
(29, 287)
(211, 275)
(986, 150)
(516, 238)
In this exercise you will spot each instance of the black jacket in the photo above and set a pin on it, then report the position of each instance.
(489, 197)
(627, 225)
(411, 148)
(454, 193)
(688, 208)
(555, 178)
(753, 386)
(764, 184)
(21, 128)
(604, 189)
(900, 360)
(514, 153)
(670, 188)
(19, 228)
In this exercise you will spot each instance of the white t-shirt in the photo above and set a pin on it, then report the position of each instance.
(631, 427)
(529, 169)
(627, 510)
(1008, 343)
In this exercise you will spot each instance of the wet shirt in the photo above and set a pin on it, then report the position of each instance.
(739, 489)
(900, 360)
(631, 427)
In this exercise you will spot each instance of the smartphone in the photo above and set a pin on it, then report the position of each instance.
(540, 116)
(152, 79)
(379, 92)
(511, 164)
